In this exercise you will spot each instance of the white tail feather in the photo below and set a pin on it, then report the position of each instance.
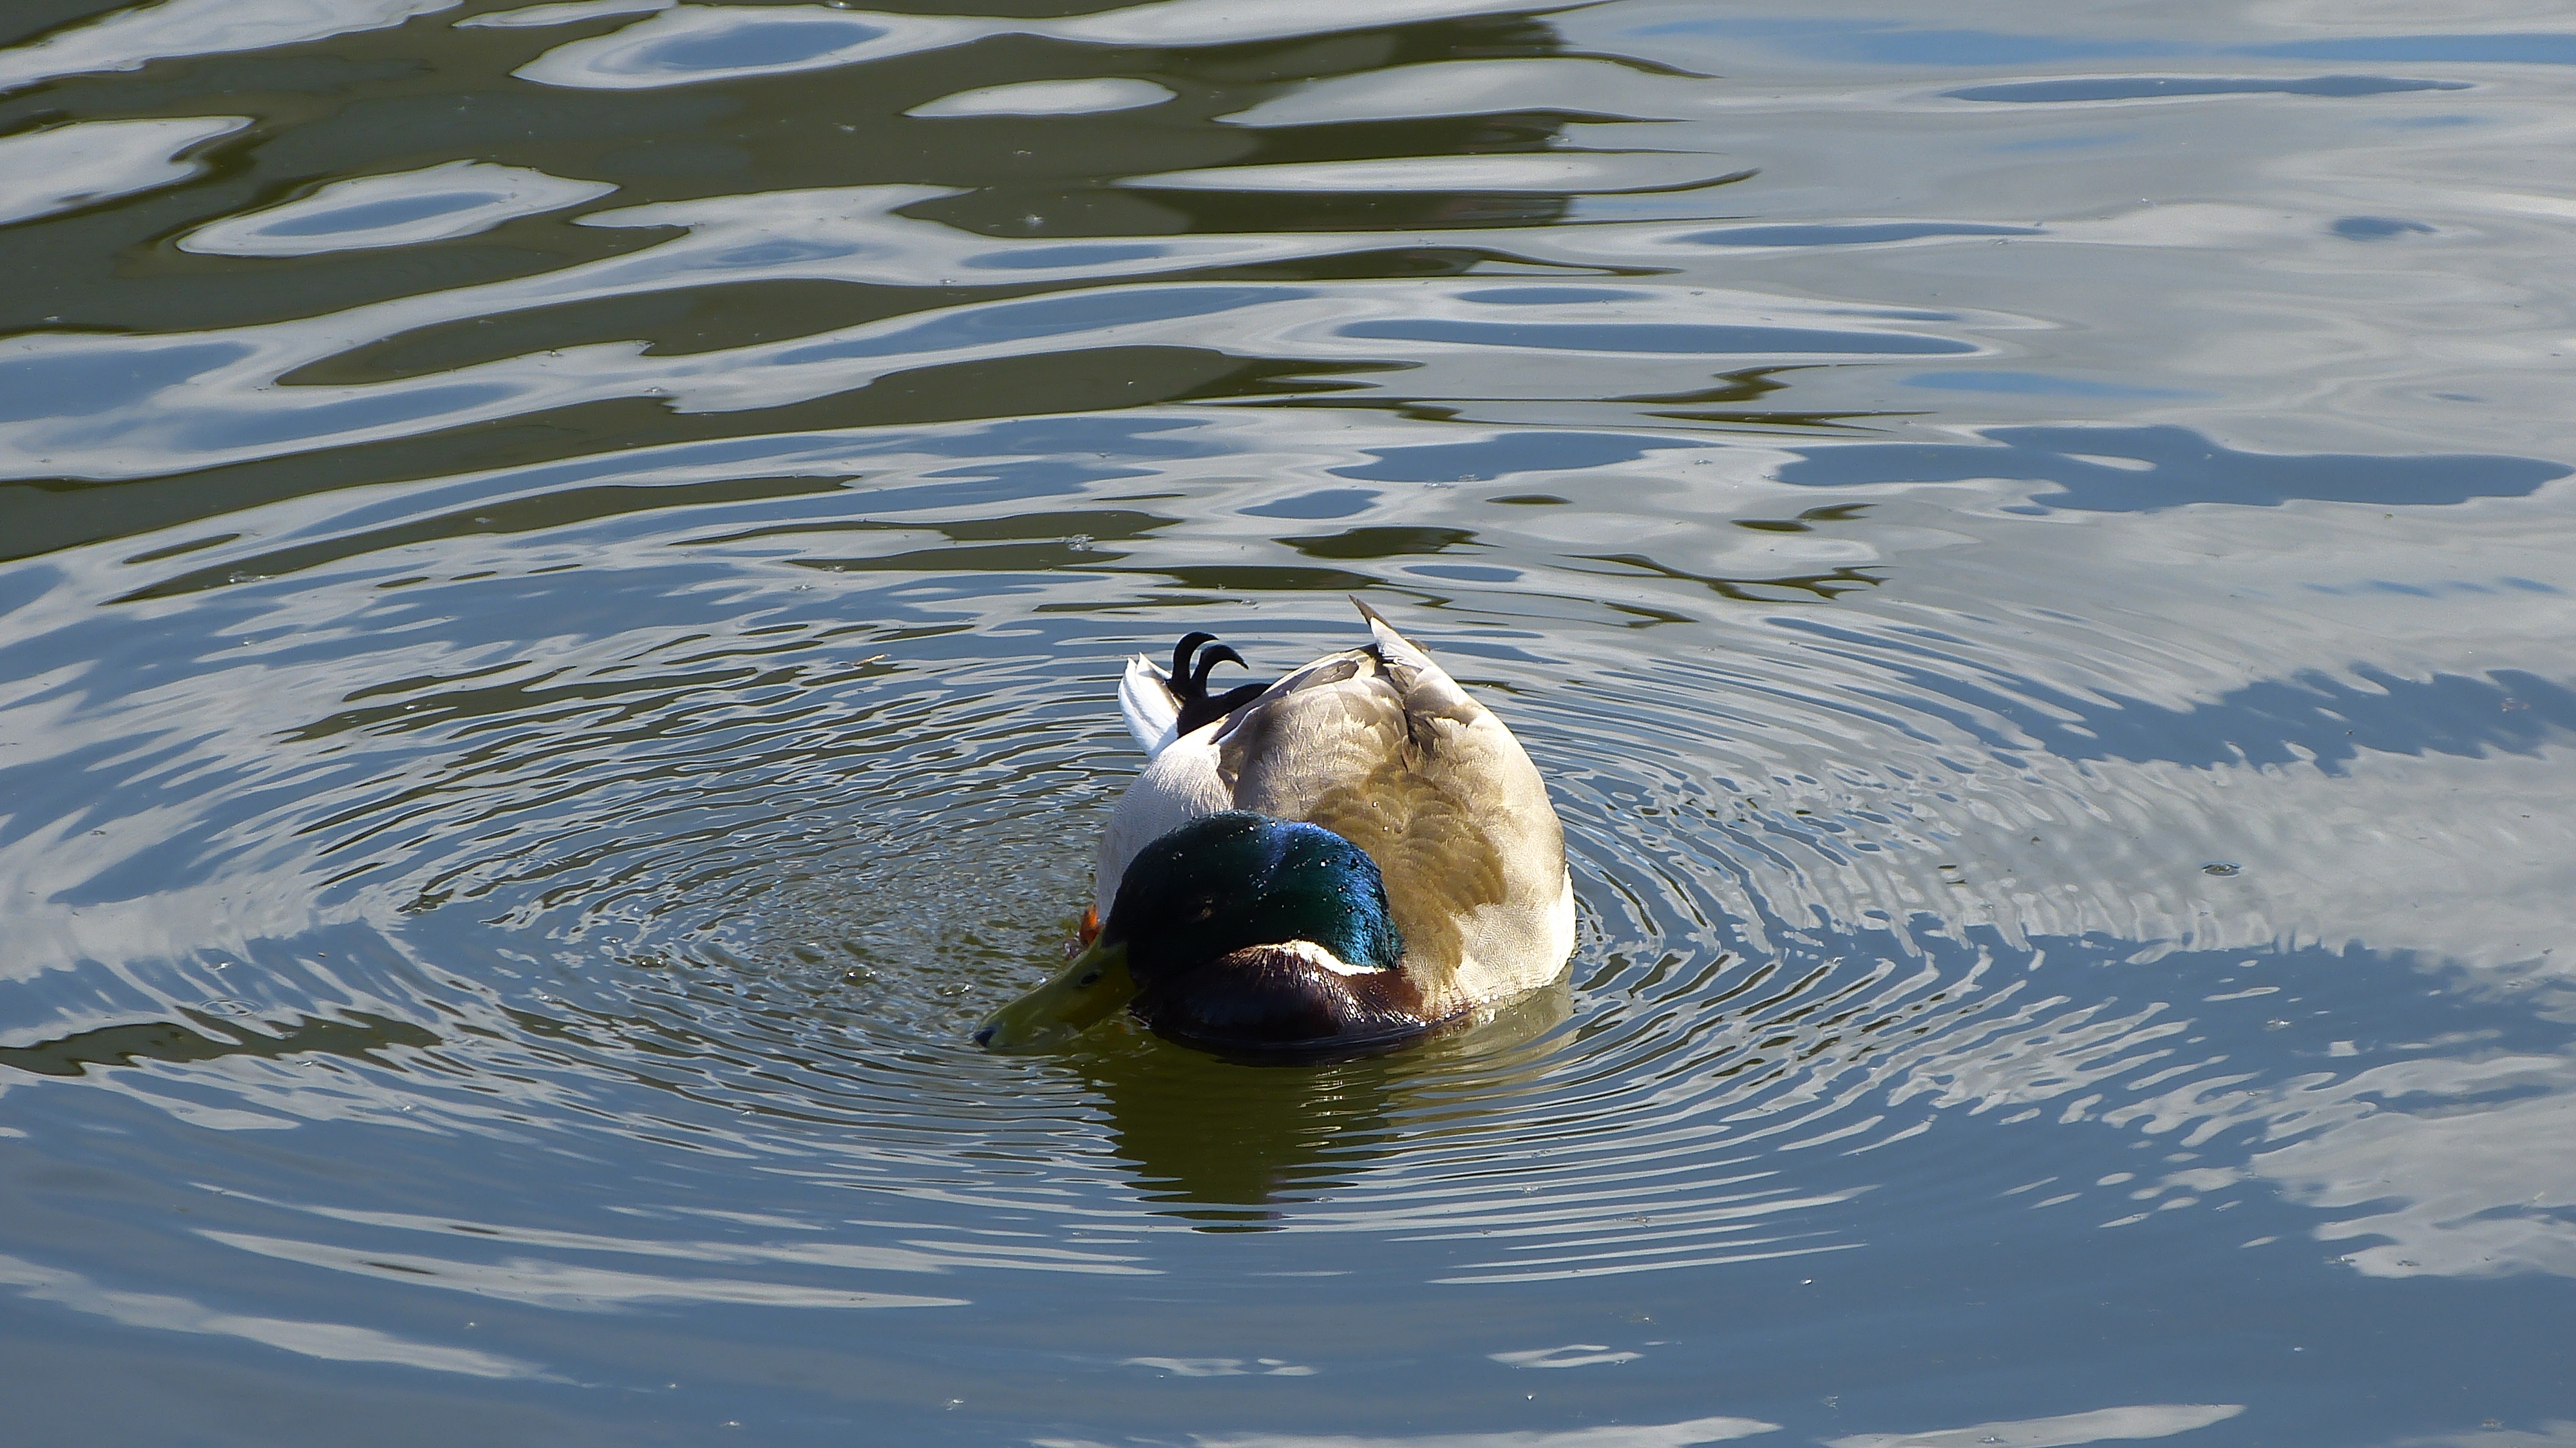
(1146, 699)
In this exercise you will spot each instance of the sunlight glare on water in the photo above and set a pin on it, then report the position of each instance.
(565, 572)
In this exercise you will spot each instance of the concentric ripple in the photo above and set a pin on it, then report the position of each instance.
(724, 866)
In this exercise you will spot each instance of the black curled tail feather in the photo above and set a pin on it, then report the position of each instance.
(1188, 683)
(1181, 656)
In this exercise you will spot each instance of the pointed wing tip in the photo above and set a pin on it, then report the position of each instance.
(1386, 633)
(1377, 621)
(1411, 658)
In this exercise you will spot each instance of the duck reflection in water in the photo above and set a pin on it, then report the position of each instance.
(1227, 1145)
(1334, 865)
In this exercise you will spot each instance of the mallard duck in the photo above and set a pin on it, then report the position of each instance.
(1331, 865)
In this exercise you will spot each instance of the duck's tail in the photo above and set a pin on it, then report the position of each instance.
(1153, 708)
(1145, 698)
(1161, 707)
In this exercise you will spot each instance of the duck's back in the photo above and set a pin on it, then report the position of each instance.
(1380, 746)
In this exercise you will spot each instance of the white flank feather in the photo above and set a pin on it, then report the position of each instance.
(1180, 783)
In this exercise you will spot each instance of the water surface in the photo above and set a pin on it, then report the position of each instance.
(565, 569)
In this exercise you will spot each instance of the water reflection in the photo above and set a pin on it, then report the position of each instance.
(1317, 198)
(201, 1035)
(1047, 98)
(66, 168)
(1220, 1144)
(1684, 1434)
(2110, 469)
(331, 1341)
(130, 38)
(1228, 1146)
(694, 44)
(2156, 87)
(460, 198)
(2124, 1424)
(216, 397)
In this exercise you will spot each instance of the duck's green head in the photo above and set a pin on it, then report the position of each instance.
(1235, 924)
(1220, 883)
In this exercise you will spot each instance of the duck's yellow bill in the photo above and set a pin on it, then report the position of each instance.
(1093, 988)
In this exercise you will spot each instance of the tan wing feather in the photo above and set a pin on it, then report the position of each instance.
(1381, 746)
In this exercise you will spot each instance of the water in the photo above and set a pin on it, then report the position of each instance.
(566, 568)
